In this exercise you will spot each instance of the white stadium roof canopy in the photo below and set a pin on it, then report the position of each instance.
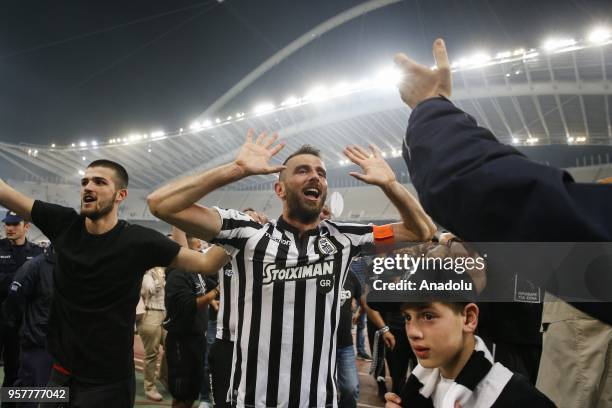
(558, 93)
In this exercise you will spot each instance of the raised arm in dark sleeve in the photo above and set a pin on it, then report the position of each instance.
(483, 190)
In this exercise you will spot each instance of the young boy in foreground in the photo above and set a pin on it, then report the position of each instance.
(455, 368)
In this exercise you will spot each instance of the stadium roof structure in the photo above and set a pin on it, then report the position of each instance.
(559, 93)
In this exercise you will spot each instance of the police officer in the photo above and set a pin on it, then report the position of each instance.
(29, 296)
(15, 249)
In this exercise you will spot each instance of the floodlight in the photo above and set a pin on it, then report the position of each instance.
(554, 44)
(262, 108)
(600, 35)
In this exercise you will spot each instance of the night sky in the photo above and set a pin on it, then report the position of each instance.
(85, 70)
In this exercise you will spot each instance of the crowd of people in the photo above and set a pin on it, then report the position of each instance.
(262, 316)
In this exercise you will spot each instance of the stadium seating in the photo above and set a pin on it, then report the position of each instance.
(361, 204)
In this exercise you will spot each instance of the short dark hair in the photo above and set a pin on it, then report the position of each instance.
(122, 178)
(456, 307)
(304, 149)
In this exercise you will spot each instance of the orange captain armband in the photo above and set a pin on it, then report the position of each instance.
(607, 180)
(383, 232)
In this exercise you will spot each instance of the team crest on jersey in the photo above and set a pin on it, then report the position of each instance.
(326, 247)
(229, 272)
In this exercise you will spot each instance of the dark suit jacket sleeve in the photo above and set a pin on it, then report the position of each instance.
(22, 287)
(482, 190)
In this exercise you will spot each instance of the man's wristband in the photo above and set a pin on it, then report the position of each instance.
(384, 329)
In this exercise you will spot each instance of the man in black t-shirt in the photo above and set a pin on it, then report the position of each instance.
(186, 298)
(392, 345)
(100, 264)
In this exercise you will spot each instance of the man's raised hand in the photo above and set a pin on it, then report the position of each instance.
(419, 82)
(376, 171)
(254, 156)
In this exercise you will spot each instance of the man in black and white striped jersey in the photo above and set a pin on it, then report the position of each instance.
(290, 273)
(222, 349)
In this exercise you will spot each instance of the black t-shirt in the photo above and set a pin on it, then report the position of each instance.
(97, 286)
(351, 290)
(182, 315)
(394, 319)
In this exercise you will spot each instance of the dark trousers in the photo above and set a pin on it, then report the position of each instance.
(9, 351)
(118, 394)
(371, 329)
(185, 360)
(34, 370)
(211, 332)
(220, 365)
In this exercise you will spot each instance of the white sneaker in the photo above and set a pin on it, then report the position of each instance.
(205, 404)
(154, 395)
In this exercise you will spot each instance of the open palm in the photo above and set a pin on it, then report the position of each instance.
(376, 171)
(254, 156)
